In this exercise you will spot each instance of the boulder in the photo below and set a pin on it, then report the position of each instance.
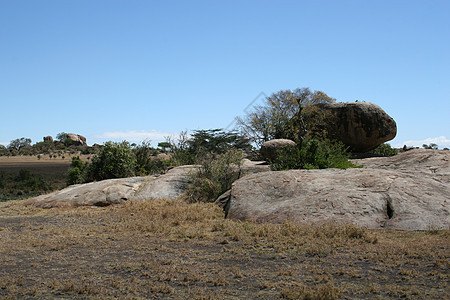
(250, 167)
(101, 193)
(115, 191)
(48, 139)
(360, 125)
(170, 185)
(269, 149)
(77, 139)
(409, 191)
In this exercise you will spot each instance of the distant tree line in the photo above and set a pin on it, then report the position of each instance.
(23, 146)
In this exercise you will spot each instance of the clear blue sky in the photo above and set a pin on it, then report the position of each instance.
(114, 70)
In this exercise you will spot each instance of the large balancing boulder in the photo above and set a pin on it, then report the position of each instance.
(360, 125)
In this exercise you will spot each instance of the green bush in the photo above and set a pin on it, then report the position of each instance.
(146, 162)
(77, 172)
(2, 180)
(28, 182)
(313, 153)
(385, 150)
(115, 160)
(215, 175)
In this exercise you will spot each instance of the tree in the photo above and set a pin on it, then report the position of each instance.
(217, 141)
(19, 143)
(77, 171)
(115, 160)
(61, 136)
(164, 146)
(430, 146)
(385, 150)
(281, 116)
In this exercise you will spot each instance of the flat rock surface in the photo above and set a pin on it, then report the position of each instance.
(115, 191)
(101, 193)
(409, 191)
(170, 185)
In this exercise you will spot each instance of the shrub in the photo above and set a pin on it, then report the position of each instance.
(77, 171)
(29, 182)
(146, 163)
(2, 180)
(385, 150)
(215, 175)
(313, 153)
(115, 160)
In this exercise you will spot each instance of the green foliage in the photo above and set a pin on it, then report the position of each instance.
(164, 146)
(313, 154)
(2, 180)
(215, 176)
(188, 149)
(281, 116)
(115, 160)
(77, 172)
(146, 162)
(17, 144)
(61, 136)
(430, 146)
(385, 150)
(217, 141)
(22, 185)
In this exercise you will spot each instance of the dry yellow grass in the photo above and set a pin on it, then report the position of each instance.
(178, 250)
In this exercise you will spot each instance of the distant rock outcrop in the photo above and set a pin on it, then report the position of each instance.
(409, 191)
(360, 125)
(77, 139)
(48, 139)
(269, 149)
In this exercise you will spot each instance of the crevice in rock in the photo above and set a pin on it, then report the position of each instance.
(101, 204)
(389, 209)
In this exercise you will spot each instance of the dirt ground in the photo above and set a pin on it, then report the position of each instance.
(175, 250)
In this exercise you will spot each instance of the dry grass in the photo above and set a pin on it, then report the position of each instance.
(173, 249)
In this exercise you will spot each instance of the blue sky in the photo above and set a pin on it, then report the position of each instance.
(114, 70)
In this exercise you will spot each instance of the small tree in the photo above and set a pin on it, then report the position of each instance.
(17, 144)
(430, 146)
(77, 171)
(146, 163)
(164, 146)
(115, 160)
(281, 116)
(385, 150)
(61, 136)
(217, 141)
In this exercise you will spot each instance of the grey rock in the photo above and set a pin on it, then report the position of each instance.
(101, 193)
(77, 139)
(116, 191)
(406, 192)
(170, 185)
(251, 167)
(269, 149)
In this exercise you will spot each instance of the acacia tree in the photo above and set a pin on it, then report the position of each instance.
(281, 116)
(19, 143)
